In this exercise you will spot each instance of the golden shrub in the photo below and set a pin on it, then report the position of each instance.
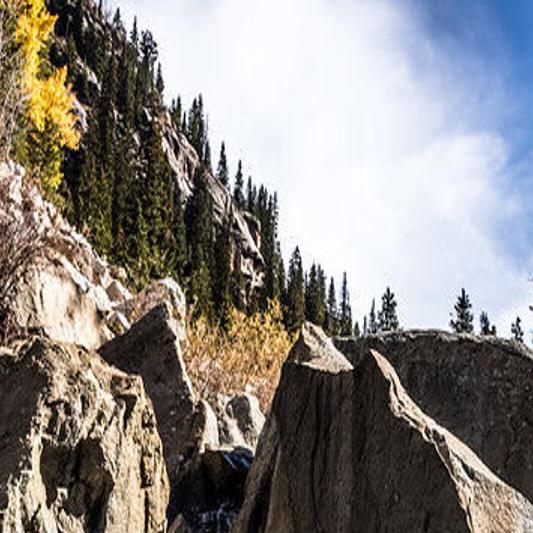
(249, 356)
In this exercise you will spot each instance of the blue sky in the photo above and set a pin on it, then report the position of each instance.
(398, 134)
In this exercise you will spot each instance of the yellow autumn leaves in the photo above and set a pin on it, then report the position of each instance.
(50, 102)
(249, 356)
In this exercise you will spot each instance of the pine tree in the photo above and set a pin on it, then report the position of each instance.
(199, 224)
(388, 319)
(149, 52)
(222, 169)
(180, 237)
(157, 199)
(345, 319)
(125, 157)
(197, 129)
(464, 319)
(222, 272)
(134, 36)
(372, 320)
(486, 328)
(159, 82)
(207, 157)
(315, 304)
(238, 194)
(295, 298)
(517, 331)
(117, 20)
(201, 292)
(176, 111)
(251, 194)
(332, 320)
(237, 285)
(270, 250)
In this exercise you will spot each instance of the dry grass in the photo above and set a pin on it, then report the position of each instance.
(248, 357)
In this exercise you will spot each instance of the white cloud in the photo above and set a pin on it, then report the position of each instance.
(382, 142)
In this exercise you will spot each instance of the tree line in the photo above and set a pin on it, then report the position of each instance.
(120, 189)
(462, 320)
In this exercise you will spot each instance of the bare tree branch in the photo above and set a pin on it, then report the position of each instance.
(21, 240)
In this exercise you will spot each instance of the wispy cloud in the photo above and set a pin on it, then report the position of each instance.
(384, 141)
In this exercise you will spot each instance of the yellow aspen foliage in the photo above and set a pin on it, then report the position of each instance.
(249, 356)
(50, 101)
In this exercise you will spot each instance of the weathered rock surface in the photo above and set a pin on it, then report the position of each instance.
(69, 292)
(480, 389)
(240, 421)
(79, 448)
(151, 350)
(346, 449)
(207, 480)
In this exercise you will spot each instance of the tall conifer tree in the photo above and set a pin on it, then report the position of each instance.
(332, 319)
(486, 328)
(238, 193)
(295, 305)
(517, 331)
(345, 319)
(388, 319)
(222, 169)
(464, 319)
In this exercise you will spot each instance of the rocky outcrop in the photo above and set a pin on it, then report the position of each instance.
(245, 228)
(240, 421)
(346, 449)
(151, 350)
(68, 292)
(79, 448)
(479, 388)
(206, 476)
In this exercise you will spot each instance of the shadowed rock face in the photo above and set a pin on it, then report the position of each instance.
(151, 350)
(480, 389)
(79, 446)
(345, 449)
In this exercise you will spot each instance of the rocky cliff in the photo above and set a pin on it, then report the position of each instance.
(182, 157)
(345, 448)
(481, 389)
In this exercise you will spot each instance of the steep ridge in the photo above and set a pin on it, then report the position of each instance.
(346, 449)
(480, 389)
(182, 157)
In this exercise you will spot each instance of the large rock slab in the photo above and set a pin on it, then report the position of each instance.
(52, 297)
(345, 449)
(79, 448)
(479, 388)
(151, 350)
